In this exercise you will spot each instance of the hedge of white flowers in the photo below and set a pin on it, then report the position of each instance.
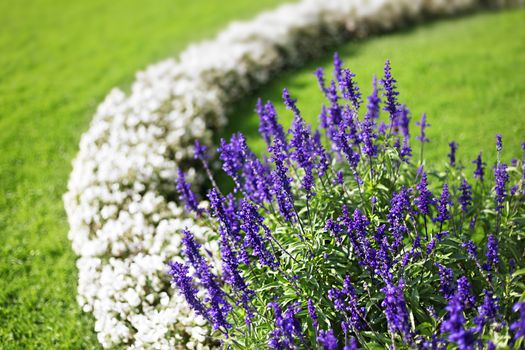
(124, 223)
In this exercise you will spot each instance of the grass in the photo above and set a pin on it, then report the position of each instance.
(466, 73)
(60, 58)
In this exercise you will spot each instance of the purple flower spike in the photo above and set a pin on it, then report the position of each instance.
(252, 222)
(327, 340)
(200, 151)
(233, 156)
(313, 314)
(465, 195)
(479, 172)
(443, 204)
(389, 86)
(269, 127)
(290, 103)
(319, 74)
(472, 250)
(281, 183)
(219, 308)
(502, 178)
(422, 125)
(186, 195)
(446, 284)
(488, 311)
(491, 253)
(464, 293)
(338, 66)
(396, 310)
(499, 143)
(452, 155)
(303, 152)
(181, 280)
(403, 121)
(518, 327)
(454, 325)
(424, 199)
(349, 89)
(287, 327)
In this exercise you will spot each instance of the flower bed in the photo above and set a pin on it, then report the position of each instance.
(124, 223)
(337, 237)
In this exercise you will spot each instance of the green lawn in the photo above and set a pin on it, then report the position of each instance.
(59, 58)
(467, 74)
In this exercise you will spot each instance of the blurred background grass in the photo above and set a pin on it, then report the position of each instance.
(60, 58)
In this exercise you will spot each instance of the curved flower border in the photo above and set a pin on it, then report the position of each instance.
(124, 224)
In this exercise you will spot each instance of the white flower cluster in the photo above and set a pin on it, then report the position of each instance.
(124, 224)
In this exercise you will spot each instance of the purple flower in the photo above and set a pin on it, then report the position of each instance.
(472, 250)
(422, 125)
(399, 208)
(290, 103)
(488, 311)
(395, 309)
(403, 120)
(338, 67)
(442, 206)
(232, 156)
(334, 228)
(518, 327)
(452, 155)
(313, 314)
(479, 172)
(499, 143)
(338, 179)
(424, 199)
(446, 281)
(231, 272)
(349, 88)
(352, 344)
(186, 195)
(200, 151)
(464, 293)
(303, 152)
(319, 74)
(431, 245)
(287, 327)
(269, 127)
(257, 181)
(465, 195)
(389, 86)
(281, 183)
(502, 178)
(327, 340)
(413, 253)
(374, 101)
(226, 215)
(181, 280)
(323, 162)
(345, 301)
(368, 125)
(454, 325)
(491, 253)
(252, 222)
(219, 307)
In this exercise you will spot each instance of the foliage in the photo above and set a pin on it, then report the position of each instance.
(338, 237)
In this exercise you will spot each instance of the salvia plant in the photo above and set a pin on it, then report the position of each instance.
(338, 239)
